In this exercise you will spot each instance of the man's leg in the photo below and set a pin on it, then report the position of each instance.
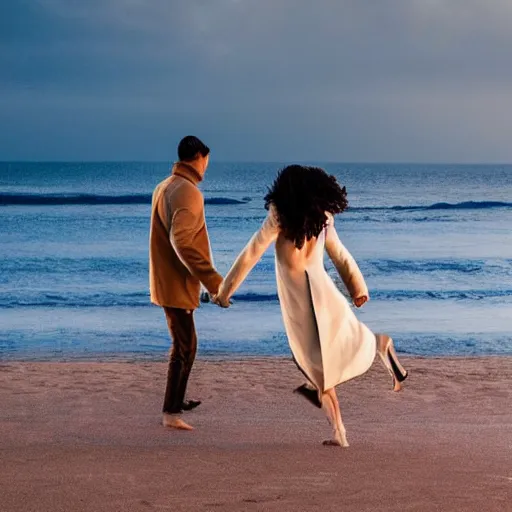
(184, 347)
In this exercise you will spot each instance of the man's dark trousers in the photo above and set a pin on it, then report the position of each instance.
(183, 352)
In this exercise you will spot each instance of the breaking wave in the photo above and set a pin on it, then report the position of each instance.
(93, 199)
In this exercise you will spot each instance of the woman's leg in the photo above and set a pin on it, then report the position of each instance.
(332, 409)
(386, 351)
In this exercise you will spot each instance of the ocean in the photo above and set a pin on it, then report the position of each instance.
(434, 243)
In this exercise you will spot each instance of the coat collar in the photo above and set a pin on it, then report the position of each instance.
(188, 171)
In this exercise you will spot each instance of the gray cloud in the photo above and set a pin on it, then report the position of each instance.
(389, 80)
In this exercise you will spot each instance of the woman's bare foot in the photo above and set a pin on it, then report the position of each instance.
(339, 440)
(174, 421)
(344, 442)
(331, 442)
(332, 409)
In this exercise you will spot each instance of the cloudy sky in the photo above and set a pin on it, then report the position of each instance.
(258, 80)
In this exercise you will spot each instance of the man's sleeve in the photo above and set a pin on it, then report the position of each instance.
(189, 237)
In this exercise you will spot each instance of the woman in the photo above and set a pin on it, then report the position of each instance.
(329, 344)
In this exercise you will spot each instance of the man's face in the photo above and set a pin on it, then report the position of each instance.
(206, 160)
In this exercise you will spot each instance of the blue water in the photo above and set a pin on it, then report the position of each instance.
(434, 243)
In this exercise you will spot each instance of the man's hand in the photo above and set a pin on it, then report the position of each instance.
(221, 301)
(359, 301)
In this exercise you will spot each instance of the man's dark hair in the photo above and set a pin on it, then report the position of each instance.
(302, 195)
(190, 146)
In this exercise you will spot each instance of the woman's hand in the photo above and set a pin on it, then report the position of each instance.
(359, 301)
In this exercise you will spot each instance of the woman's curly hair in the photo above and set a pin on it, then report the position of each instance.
(302, 195)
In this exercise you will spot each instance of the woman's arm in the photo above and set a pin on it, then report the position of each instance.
(251, 254)
(345, 265)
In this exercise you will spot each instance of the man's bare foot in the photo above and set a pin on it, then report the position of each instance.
(174, 421)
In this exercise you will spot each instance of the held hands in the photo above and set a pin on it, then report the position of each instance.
(221, 301)
(206, 297)
(359, 301)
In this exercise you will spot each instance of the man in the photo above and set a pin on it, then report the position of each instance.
(180, 261)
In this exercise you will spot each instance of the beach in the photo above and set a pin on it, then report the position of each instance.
(87, 436)
(83, 352)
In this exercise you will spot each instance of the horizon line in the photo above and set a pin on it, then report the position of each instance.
(280, 162)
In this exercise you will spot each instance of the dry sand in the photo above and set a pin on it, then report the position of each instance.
(87, 436)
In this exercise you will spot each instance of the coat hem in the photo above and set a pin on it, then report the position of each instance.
(175, 305)
(312, 304)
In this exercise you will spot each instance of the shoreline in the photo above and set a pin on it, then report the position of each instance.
(122, 358)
